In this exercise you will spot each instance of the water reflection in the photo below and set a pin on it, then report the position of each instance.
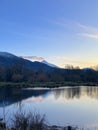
(49, 102)
(76, 92)
(68, 93)
(92, 92)
(10, 95)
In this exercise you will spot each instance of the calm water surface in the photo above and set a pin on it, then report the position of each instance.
(71, 105)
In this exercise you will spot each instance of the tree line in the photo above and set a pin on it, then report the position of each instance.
(18, 73)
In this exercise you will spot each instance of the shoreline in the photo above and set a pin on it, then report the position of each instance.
(46, 85)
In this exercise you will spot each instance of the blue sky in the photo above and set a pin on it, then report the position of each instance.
(61, 31)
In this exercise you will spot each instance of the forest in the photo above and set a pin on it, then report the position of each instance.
(18, 73)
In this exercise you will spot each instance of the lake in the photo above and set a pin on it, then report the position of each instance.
(62, 106)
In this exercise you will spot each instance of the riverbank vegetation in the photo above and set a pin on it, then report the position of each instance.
(23, 121)
(45, 84)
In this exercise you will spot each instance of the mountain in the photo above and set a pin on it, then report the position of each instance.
(9, 60)
(39, 59)
(18, 69)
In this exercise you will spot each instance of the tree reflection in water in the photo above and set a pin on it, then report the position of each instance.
(12, 95)
(76, 92)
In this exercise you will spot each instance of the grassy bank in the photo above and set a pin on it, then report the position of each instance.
(46, 84)
(22, 121)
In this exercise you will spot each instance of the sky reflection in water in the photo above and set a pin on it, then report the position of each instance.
(75, 106)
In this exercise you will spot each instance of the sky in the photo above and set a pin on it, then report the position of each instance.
(61, 31)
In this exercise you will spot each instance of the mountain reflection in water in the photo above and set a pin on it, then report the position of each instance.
(11, 95)
(73, 105)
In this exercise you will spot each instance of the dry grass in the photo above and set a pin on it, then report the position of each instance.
(22, 121)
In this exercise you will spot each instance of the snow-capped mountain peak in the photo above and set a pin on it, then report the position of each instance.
(33, 58)
(39, 59)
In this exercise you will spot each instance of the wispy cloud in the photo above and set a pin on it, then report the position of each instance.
(62, 61)
(95, 36)
(88, 31)
(66, 59)
(78, 28)
(87, 28)
(63, 23)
